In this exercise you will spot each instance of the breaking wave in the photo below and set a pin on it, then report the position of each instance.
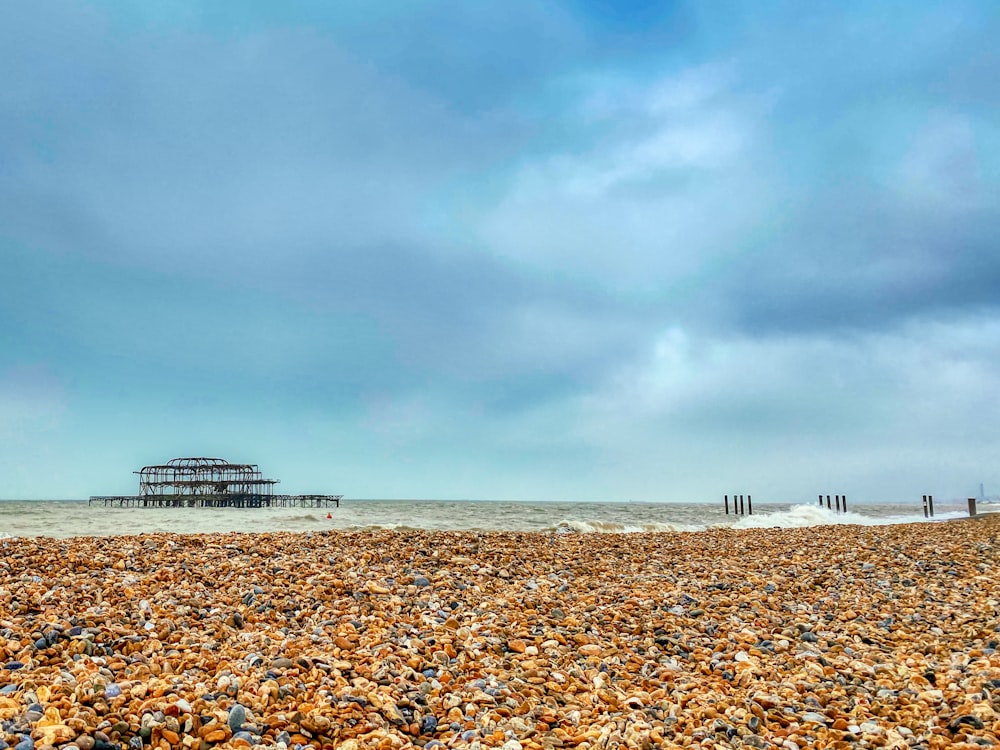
(610, 527)
(796, 517)
(803, 516)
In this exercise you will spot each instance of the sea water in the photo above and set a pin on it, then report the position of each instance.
(68, 518)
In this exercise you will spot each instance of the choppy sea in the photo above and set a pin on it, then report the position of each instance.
(68, 518)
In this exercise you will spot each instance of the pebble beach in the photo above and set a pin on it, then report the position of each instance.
(822, 637)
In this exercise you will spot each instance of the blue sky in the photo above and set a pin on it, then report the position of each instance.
(521, 250)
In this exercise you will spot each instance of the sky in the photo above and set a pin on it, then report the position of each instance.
(559, 250)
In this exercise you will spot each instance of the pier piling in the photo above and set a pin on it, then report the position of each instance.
(231, 500)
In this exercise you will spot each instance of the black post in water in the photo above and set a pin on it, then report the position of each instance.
(742, 509)
(750, 504)
(727, 504)
(821, 501)
(972, 507)
(930, 504)
(837, 500)
(828, 506)
(843, 503)
(925, 506)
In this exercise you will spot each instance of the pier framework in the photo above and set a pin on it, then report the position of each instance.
(209, 483)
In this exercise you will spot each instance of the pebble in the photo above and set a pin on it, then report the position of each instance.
(237, 717)
(719, 639)
(428, 725)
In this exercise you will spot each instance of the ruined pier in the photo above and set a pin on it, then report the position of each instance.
(209, 483)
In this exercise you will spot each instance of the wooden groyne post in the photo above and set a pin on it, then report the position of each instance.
(928, 506)
(739, 508)
(839, 503)
(972, 507)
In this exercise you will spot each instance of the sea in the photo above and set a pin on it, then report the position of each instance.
(69, 518)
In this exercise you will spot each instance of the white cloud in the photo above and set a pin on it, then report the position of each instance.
(664, 184)
(885, 413)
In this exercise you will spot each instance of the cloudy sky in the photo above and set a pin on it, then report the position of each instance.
(570, 249)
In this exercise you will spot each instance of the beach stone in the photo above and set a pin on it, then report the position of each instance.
(56, 734)
(428, 725)
(237, 717)
(966, 720)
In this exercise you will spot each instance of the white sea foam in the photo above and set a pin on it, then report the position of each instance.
(610, 527)
(796, 517)
(803, 516)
